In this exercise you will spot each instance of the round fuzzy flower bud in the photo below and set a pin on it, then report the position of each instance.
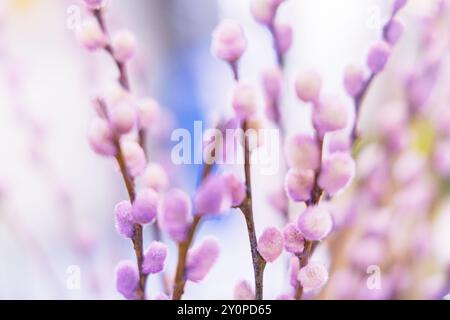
(315, 223)
(91, 35)
(378, 57)
(101, 138)
(337, 172)
(293, 239)
(213, 196)
(94, 4)
(174, 214)
(270, 244)
(236, 187)
(313, 276)
(149, 113)
(134, 157)
(154, 258)
(145, 206)
(299, 184)
(330, 115)
(124, 219)
(127, 279)
(201, 259)
(154, 177)
(244, 100)
(263, 11)
(272, 81)
(308, 86)
(302, 152)
(339, 141)
(393, 31)
(122, 117)
(354, 80)
(124, 45)
(228, 41)
(284, 36)
(243, 291)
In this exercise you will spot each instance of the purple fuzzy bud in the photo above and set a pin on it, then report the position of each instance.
(339, 141)
(284, 36)
(101, 138)
(122, 117)
(125, 46)
(308, 86)
(378, 57)
(201, 259)
(293, 239)
(299, 184)
(354, 80)
(302, 152)
(270, 244)
(272, 81)
(329, 115)
(91, 35)
(393, 31)
(244, 100)
(236, 187)
(228, 41)
(149, 113)
(213, 196)
(243, 291)
(337, 172)
(154, 177)
(263, 11)
(398, 5)
(127, 279)
(145, 206)
(124, 219)
(315, 223)
(313, 276)
(134, 157)
(174, 214)
(154, 258)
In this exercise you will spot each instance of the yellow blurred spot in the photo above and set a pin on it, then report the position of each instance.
(423, 136)
(22, 4)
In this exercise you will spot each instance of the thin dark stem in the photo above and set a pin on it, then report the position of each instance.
(358, 102)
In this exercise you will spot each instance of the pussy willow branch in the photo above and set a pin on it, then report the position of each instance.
(183, 247)
(247, 209)
(142, 134)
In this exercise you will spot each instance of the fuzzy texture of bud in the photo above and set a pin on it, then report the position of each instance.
(154, 258)
(201, 259)
(149, 113)
(243, 291)
(283, 32)
(91, 35)
(175, 214)
(315, 223)
(393, 31)
(337, 172)
(293, 239)
(124, 45)
(272, 81)
(228, 41)
(154, 177)
(244, 100)
(213, 196)
(354, 80)
(378, 57)
(313, 276)
(123, 219)
(145, 206)
(236, 187)
(299, 184)
(330, 114)
(308, 86)
(302, 152)
(263, 11)
(134, 156)
(122, 117)
(101, 138)
(270, 244)
(127, 279)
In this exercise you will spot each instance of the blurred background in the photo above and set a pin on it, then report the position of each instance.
(57, 196)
